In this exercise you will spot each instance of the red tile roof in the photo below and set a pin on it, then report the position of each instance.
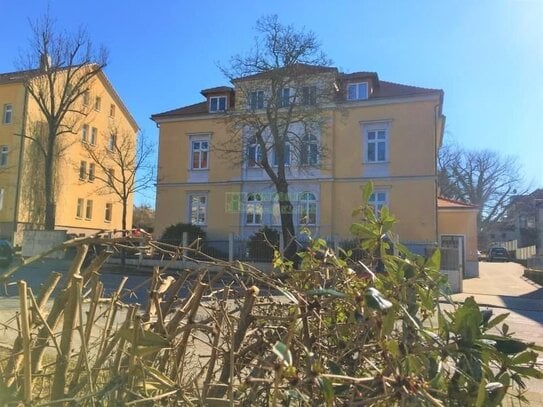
(298, 69)
(218, 89)
(445, 203)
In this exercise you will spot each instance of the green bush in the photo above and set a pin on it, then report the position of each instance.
(174, 234)
(262, 244)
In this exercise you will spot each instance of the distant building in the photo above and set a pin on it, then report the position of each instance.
(80, 209)
(524, 216)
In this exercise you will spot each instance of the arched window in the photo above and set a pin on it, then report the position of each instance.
(308, 209)
(254, 152)
(309, 154)
(253, 209)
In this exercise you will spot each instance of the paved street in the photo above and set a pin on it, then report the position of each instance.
(502, 288)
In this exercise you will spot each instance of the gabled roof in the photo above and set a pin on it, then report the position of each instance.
(297, 69)
(382, 89)
(446, 203)
(21, 76)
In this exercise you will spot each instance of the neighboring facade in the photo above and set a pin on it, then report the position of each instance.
(83, 206)
(376, 131)
(524, 217)
(458, 230)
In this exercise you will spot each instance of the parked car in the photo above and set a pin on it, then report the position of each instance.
(6, 253)
(498, 254)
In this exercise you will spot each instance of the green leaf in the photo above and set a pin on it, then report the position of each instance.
(434, 261)
(528, 371)
(367, 190)
(510, 346)
(363, 231)
(283, 353)
(525, 357)
(375, 300)
(327, 390)
(146, 338)
(326, 292)
(499, 319)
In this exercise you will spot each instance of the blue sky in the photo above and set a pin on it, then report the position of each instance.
(486, 55)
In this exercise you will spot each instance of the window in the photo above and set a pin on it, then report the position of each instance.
(198, 209)
(86, 98)
(79, 210)
(92, 169)
(309, 95)
(284, 99)
(82, 170)
(8, 111)
(1, 198)
(286, 155)
(276, 210)
(378, 199)
(308, 209)
(357, 91)
(253, 209)
(108, 213)
(112, 142)
(93, 136)
(254, 152)
(85, 133)
(256, 100)
(309, 154)
(97, 103)
(376, 146)
(112, 110)
(200, 151)
(110, 176)
(217, 103)
(4, 156)
(88, 209)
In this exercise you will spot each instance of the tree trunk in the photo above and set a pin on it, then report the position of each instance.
(123, 226)
(49, 169)
(287, 222)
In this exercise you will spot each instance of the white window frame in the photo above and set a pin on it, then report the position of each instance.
(88, 209)
(377, 139)
(82, 170)
(377, 201)
(97, 103)
(309, 95)
(85, 133)
(254, 209)
(256, 100)
(218, 102)
(79, 208)
(108, 213)
(286, 96)
(92, 172)
(1, 198)
(4, 155)
(7, 117)
(197, 199)
(254, 153)
(202, 152)
(93, 136)
(307, 206)
(288, 155)
(309, 150)
(356, 86)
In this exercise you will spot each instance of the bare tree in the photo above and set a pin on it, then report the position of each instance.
(279, 113)
(480, 177)
(67, 65)
(144, 217)
(124, 167)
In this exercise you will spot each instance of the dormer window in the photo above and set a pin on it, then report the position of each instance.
(217, 103)
(357, 91)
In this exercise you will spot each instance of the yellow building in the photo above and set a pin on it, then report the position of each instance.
(374, 130)
(83, 203)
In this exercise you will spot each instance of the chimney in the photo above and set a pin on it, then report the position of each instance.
(45, 62)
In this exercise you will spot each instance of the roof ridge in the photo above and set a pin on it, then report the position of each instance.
(409, 86)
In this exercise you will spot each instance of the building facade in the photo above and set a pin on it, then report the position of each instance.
(369, 130)
(84, 204)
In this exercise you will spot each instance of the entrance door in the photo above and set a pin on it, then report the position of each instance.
(452, 253)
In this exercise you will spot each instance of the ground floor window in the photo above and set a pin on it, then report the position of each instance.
(253, 209)
(308, 209)
(378, 199)
(198, 209)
